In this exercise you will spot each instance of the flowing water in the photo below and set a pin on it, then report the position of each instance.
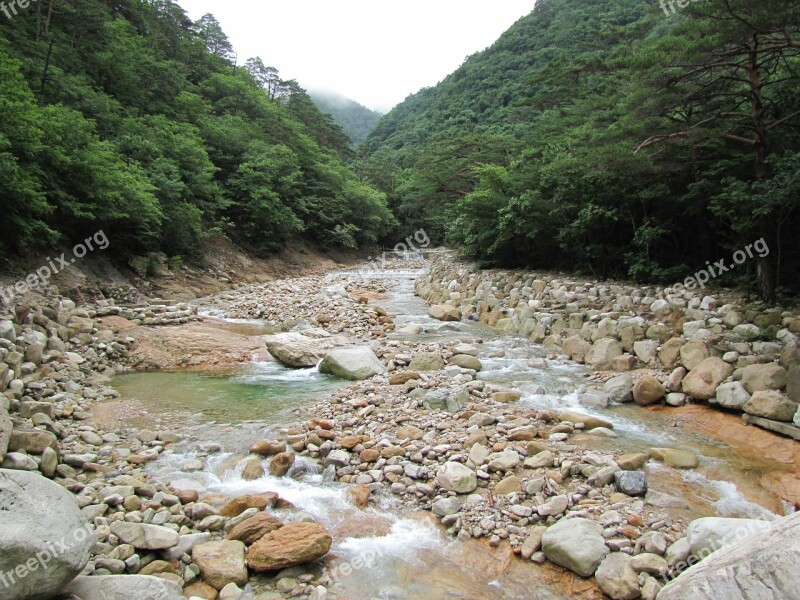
(385, 552)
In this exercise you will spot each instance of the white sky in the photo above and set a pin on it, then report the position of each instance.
(376, 52)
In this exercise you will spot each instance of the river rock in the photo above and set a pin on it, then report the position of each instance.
(426, 362)
(32, 442)
(355, 364)
(620, 388)
(708, 534)
(575, 544)
(293, 544)
(759, 378)
(702, 382)
(648, 390)
(281, 463)
(221, 563)
(465, 361)
(632, 483)
(268, 448)
(693, 354)
(124, 587)
(37, 516)
(449, 399)
(145, 537)
(589, 422)
(253, 529)
(304, 348)
(455, 477)
(771, 405)
(441, 312)
(253, 469)
(616, 577)
(732, 395)
(763, 566)
(603, 354)
(678, 459)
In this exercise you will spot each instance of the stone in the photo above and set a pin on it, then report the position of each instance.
(576, 348)
(426, 362)
(533, 543)
(37, 515)
(253, 529)
(143, 536)
(403, 377)
(355, 364)
(409, 432)
(465, 361)
(702, 382)
(632, 462)
(32, 442)
(792, 387)
(557, 505)
(293, 544)
(694, 353)
(221, 563)
(509, 485)
(281, 463)
(732, 395)
(616, 577)
(760, 378)
(268, 448)
(649, 563)
(762, 566)
(575, 544)
(449, 399)
(603, 353)
(303, 349)
(442, 312)
(620, 388)
(678, 459)
(237, 506)
(588, 421)
(646, 350)
(253, 469)
(506, 397)
(632, 483)
(709, 534)
(771, 405)
(648, 390)
(124, 587)
(504, 461)
(444, 507)
(458, 478)
(670, 353)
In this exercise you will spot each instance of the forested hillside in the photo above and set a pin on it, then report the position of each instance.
(356, 120)
(612, 137)
(130, 117)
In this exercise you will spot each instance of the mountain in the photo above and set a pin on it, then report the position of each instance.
(610, 138)
(131, 118)
(355, 120)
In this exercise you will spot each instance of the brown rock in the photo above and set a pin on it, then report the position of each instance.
(322, 424)
(506, 397)
(409, 433)
(403, 377)
(360, 495)
(293, 544)
(202, 590)
(281, 463)
(221, 563)
(268, 448)
(369, 455)
(238, 505)
(350, 442)
(253, 529)
(648, 390)
(702, 382)
(393, 451)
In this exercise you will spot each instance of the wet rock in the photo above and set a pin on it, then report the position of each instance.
(145, 537)
(702, 382)
(293, 544)
(253, 529)
(632, 483)
(253, 469)
(355, 364)
(620, 388)
(281, 463)
(617, 579)
(648, 390)
(458, 478)
(589, 422)
(268, 448)
(771, 405)
(237, 506)
(221, 563)
(678, 459)
(124, 587)
(575, 544)
(442, 312)
(465, 361)
(302, 349)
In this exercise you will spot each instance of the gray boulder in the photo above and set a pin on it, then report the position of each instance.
(732, 395)
(771, 405)
(632, 483)
(43, 533)
(124, 587)
(761, 567)
(355, 364)
(617, 579)
(620, 388)
(302, 349)
(575, 544)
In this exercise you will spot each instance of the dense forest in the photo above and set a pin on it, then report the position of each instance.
(612, 137)
(356, 120)
(128, 116)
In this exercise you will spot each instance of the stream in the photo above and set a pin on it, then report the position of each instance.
(389, 552)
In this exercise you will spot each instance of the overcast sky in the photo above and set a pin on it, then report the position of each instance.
(374, 51)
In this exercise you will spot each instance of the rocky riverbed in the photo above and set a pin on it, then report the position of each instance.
(417, 429)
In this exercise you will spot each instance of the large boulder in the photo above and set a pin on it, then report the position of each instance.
(253, 529)
(732, 395)
(709, 534)
(44, 538)
(762, 566)
(458, 478)
(356, 364)
(771, 405)
(293, 544)
(302, 349)
(124, 587)
(648, 390)
(759, 378)
(221, 563)
(442, 312)
(603, 354)
(702, 382)
(575, 544)
(620, 388)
